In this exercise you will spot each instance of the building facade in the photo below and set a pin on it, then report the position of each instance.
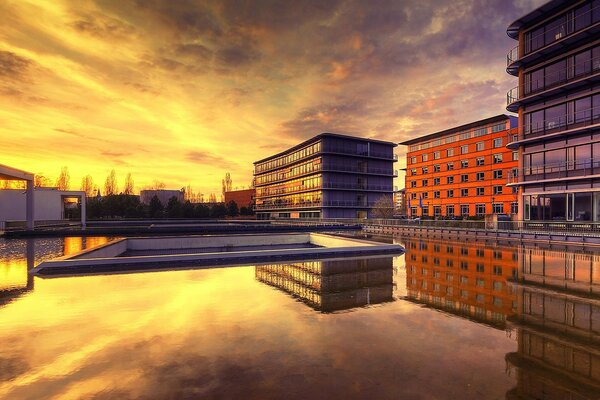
(243, 197)
(328, 176)
(462, 172)
(557, 62)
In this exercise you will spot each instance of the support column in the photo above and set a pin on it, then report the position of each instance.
(83, 210)
(29, 205)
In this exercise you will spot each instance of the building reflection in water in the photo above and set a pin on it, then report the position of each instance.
(20, 255)
(466, 279)
(334, 285)
(557, 319)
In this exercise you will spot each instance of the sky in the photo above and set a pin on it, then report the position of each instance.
(184, 91)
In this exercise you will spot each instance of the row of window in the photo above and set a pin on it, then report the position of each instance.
(478, 132)
(464, 265)
(480, 210)
(307, 198)
(563, 159)
(563, 25)
(464, 251)
(295, 185)
(563, 116)
(464, 178)
(480, 191)
(464, 149)
(572, 67)
(296, 170)
(479, 162)
(289, 158)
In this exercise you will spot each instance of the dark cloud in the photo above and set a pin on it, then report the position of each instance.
(13, 67)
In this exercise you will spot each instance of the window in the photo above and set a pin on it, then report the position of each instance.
(425, 182)
(480, 298)
(464, 192)
(449, 263)
(464, 149)
(425, 195)
(499, 127)
(464, 163)
(480, 252)
(497, 158)
(480, 146)
(449, 166)
(436, 181)
(514, 207)
(515, 156)
(436, 274)
(449, 152)
(449, 277)
(450, 193)
(464, 178)
(480, 282)
(480, 176)
(413, 171)
(425, 170)
(498, 208)
(436, 168)
(480, 209)
(436, 195)
(413, 184)
(480, 161)
(498, 174)
(449, 249)
(413, 160)
(497, 270)
(497, 143)
(480, 191)
(464, 294)
(450, 180)
(497, 255)
(450, 211)
(437, 211)
(480, 267)
(464, 210)
(464, 280)
(464, 251)
(436, 155)
(497, 190)
(464, 265)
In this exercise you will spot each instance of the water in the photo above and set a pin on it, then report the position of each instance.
(442, 321)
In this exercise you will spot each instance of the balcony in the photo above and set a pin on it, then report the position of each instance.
(354, 186)
(314, 204)
(565, 170)
(340, 186)
(359, 170)
(351, 152)
(561, 35)
(582, 74)
(569, 124)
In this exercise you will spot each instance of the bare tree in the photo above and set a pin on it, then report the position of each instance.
(64, 179)
(157, 185)
(226, 185)
(383, 207)
(212, 198)
(87, 185)
(41, 180)
(110, 184)
(128, 189)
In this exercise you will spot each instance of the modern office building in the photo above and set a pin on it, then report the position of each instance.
(328, 176)
(462, 171)
(557, 62)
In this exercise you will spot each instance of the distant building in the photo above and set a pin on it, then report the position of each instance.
(462, 171)
(243, 198)
(163, 195)
(328, 176)
(400, 202)
(557, 62)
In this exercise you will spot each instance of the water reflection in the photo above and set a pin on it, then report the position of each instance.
(557, 320)
(334, 285)
(470, 280)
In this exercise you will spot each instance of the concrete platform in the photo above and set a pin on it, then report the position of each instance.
(134, 254)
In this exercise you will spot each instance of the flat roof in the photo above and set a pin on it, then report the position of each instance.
(321, 135)
(540, 12)
(10, 173)
(497, 118)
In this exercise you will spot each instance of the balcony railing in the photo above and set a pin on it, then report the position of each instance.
(353, 168)
(342, 150)
(343, 186)
(559, 32)
(564, 122)
(331, 203)
(559, 170)
(572, 73)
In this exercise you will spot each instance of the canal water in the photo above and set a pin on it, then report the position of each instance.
(447, 320)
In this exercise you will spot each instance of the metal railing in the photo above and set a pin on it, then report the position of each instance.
(333, 168)
(342, 150)
(563, 169)
(349, 186)
(557, 33)
(558, 78)
(563, 122)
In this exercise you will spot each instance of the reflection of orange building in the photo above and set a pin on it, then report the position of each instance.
(333, 285)
(74, 245)
(558, 326)
(462, 278)
(462, 171)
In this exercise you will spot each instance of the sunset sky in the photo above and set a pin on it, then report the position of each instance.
(185, 91)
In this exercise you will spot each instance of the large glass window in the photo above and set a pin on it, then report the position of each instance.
(555, 116)
(582, 63)
(583, 207)
(555, 73)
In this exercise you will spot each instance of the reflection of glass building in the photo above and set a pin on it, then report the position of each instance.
(333, 285)
(328, 176)
(465, 279)
(558, 326)
(557, 62)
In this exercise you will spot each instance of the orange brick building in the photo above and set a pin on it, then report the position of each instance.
(463, 171)
(243, 198)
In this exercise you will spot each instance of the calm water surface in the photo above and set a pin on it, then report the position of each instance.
(445, 321)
